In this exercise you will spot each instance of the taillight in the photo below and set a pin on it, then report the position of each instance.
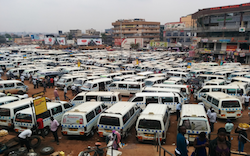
(223, 115)
(219, 111)
(238, 114)
(100, 134)
(65, 132)
(139, 137)
(16, 130)
(81, 133)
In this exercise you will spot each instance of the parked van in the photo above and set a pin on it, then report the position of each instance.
(224, 73)
(183, 75)
(120, 117)
(215, 82)
(174, 80)
(111, 75)
(24, 119)
(79, 82)
(157, 75)
(16, 72)
(154, 119)
(82, 120)
(8, 99)
(236, 79)
(108, 98)
(97, 84)
(67, 81)
(68, 70)
(13, 87)
(136, 79)
(8, 111)
(112, 68)
(234, 75)
(194, 118)
(226, 106)
(204, 77)
(128, 72)
(155, 80)
(123, 77)
(126, 88)
(146, 74)
(169, 99)
(185, 89)
(28, 72)
(2, 95)
(7, 66)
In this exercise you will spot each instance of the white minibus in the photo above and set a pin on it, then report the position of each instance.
(194, 118)
(82, 119)
(146, 74)
(123, 77)
(174, 80)
(13, 87)
(154, 80)
(120, 117)
(126, 88)
(136, 79)
(185, 89)
(97, 84)
(183, 75)
(154, 119)
(215, 82)
(8, 99)
(226, 106)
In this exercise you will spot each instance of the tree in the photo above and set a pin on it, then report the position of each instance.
(7, 36)
(104, 36)
(134, 45)
(2, 39)
(70, 36)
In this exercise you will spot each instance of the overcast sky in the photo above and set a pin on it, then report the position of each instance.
(53, 15)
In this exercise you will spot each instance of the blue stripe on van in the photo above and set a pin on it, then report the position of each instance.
(147, 130)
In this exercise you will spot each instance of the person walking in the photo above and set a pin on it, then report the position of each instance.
(55, 80)
(24, 138)
(56, 94)
(48, 82)
(200, 144)
(178, 110)
(30, 78)
(52, 82)
(212, 119)
(241, 140)
(44, 85)
(181, 149)
(53, 127)
(73, 88)
(34, 83)
(220, 146)
(65, 90)
(229, 127)
(40, 127)
(22, 78)
(37, 83)
(247, 97)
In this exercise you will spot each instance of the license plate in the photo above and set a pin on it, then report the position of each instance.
(3, 120)
(193, 136)
(73, 129)
(109, 131)
(230, 112)
(149, 135)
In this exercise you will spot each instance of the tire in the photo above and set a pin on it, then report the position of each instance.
(20, 92)
(92, 132)
(6, 153)
(46, 131)
(35, 141)
(47, 150)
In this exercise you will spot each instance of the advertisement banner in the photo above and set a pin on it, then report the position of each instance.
(119, 41)
(89, 42)
(61, 40)
(40, 105)
(70, 42)
(231, 47)
(49, 40)
(37, 37)
(126, 44)
(159, 44)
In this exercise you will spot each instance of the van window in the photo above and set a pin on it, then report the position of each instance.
(231, 91)
(90, 116)
(198, 125)
(44, 115)
(80, 98)
(114, 98)
(176, 99)
(204, 90)
(89, 98)
(215, 102)
(122, 86)
(23, 118)
(151, 99)
(134, 86)
(108, 82)
(125, 118)
(20, 108)
(8, 85)
(138, 99)
(66, 106)
(107, 120)
(1, 86)
(98, 110)
(149, 124)
(56, 110)
(230, 104)
(167, 99)
(4, 112)
(105, 98)
(95, 85)
(216, 89)
(20, 84)
(113, 85)
(131, 111)
(209, 98)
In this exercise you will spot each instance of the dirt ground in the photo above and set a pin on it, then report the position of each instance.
(73, 145)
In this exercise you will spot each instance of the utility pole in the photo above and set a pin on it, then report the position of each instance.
(121, 34)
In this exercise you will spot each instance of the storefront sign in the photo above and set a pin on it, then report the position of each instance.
(214, 40)
(222, 52)
(204, 40)
(242, 41)
(224, 40)
(231, 47)
(242, 29)
(236, 54)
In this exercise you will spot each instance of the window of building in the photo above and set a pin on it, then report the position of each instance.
(175, 34)
(169, 34)
(182, 34)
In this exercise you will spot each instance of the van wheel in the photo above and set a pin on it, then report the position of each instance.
(126, 134)
(46, 131)
(92, 133)
(20, 92)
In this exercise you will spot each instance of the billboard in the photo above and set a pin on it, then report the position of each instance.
(50, 40)
(40, 105)
(118, 41)
(61, 40)
(70, 42)
(36, 37)
(127, 42)
(175, 25)
(159, 44)
(89, 42)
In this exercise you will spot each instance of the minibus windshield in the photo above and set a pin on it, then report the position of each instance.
(23, 118)
(107, 120)
(73, 119)
(4, 112)
(230, 104)
(195, 124)
(149, 124)
(149, 83)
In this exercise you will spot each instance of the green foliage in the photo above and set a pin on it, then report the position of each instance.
(134, 46)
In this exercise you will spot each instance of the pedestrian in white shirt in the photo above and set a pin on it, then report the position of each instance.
(209, 112)
(247, 97)
(24, 138)
(22, 78)
(212, 119)
(55, 81)
(65, 92)
(73, 88)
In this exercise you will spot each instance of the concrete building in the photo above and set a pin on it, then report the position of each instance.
(92, 32)
(224, 29)
(136, 28)
(188, 21)
(76, 33)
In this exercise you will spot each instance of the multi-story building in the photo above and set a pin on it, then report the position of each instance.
(76, 33)
(92, 32)
(136, 28)
(188, 21)
(224, 29)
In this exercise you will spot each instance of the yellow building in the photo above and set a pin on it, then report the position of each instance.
(189, 22)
